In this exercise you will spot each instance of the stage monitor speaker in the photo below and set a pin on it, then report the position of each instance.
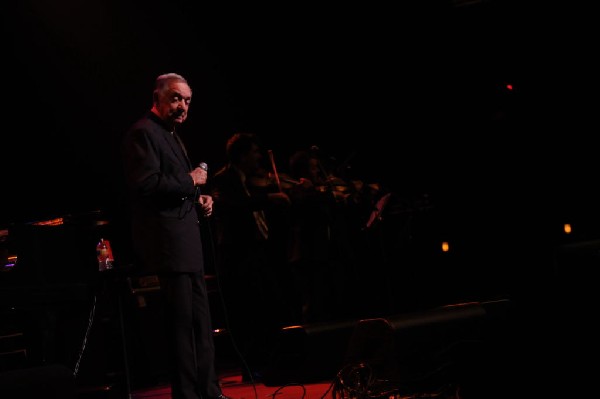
(308, 353)
(422, 351)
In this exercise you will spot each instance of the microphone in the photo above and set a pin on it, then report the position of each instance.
(204, 167)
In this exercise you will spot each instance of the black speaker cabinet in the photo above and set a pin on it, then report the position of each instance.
(308, 353)
(424, 351)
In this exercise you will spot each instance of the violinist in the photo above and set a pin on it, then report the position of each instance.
(249, 261)
(318, 245)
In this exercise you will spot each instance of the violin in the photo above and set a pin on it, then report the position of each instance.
(267, 179)
(323, 182)
(272, 179)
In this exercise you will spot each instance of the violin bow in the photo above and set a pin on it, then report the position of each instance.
(274, 167)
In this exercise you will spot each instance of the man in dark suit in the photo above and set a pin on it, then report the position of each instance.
(165, 200)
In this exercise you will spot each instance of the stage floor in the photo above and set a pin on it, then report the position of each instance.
(234, 388)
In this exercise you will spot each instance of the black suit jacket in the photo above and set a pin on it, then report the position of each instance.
(164, 218)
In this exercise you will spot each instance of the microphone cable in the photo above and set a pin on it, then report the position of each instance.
(234, 344)
(213, 252)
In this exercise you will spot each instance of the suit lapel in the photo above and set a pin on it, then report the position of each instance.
(179, 149)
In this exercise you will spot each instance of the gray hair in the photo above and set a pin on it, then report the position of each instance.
(162, 82)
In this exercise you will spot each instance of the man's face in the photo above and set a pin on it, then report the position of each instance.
(174, 103)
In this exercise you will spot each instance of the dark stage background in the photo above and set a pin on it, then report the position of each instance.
(412, 97)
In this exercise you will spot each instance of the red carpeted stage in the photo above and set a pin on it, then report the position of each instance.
(233, 387)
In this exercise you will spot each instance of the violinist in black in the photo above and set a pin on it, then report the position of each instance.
(249, 261)
(320, 252)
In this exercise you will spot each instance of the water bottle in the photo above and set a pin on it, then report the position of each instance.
(104, 255)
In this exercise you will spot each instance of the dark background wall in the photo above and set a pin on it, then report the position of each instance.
(412, 97)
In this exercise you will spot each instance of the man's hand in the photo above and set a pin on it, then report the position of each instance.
(206, 203)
